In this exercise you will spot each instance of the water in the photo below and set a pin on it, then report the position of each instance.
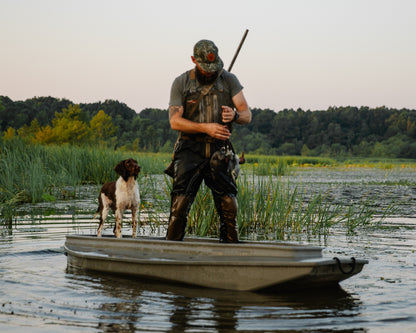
(38, 292)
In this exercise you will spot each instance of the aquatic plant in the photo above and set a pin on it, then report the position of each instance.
(269, 204)
(36, 173)
(272, 207)
(364, 214)
(290, 160)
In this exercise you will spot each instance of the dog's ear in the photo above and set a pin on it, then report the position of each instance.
(120, 167)
(121, 170)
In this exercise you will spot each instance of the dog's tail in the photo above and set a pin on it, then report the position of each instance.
(96, 213)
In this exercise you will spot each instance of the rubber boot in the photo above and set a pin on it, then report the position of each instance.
(227, 210)
(178, 218)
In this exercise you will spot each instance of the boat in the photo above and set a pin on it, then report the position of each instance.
(204, 262)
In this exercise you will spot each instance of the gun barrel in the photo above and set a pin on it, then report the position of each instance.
(238, 50)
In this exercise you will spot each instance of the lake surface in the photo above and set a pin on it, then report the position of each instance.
(38, 293)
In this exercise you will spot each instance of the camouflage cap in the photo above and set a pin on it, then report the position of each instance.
(206, 55)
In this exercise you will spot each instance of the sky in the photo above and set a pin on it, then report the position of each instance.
(308, 54)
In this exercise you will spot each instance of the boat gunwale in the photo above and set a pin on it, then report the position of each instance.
(163, 261)
(192, 241)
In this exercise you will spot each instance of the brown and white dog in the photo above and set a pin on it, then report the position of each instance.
(120, 195)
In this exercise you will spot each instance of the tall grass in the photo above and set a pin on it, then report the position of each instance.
(271, 207)
(36, 173)
(290, 160)
(268, 204)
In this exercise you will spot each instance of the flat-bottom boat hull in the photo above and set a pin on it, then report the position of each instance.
(243, 266)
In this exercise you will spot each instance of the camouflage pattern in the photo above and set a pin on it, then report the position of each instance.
(206, 55)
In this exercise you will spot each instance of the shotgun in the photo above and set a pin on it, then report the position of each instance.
(238, 50)
(234, 58)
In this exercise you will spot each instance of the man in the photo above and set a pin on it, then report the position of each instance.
(203, 118)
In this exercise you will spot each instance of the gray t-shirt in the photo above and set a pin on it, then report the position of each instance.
(180, 86)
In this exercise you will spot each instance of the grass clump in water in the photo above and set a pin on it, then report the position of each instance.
(36, 173)
(271, 207)
(267, 203)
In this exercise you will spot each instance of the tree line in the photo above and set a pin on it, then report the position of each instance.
(335, 132)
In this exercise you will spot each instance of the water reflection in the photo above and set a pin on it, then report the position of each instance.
(131, 305)
(37, 290)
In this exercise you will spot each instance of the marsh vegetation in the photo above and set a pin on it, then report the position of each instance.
(271, 206)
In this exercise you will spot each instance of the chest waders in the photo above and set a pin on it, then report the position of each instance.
(192, 163)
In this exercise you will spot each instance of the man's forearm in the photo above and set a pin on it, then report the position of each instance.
(178, 123)
(187, 126)
(244, 116)
(243, 110)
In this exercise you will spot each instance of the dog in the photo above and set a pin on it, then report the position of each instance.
(120, 195)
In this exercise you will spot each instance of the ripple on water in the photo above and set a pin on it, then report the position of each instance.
(38, 291)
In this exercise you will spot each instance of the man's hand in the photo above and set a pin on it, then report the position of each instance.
(228, 114)
(178, 123)
(217, 131)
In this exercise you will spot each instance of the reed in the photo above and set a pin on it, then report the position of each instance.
(364, 214)
(278, 168)
(268, 203)
(36, 173)
(277, 207)
(290, 160)
(154, 202)
(271, 207)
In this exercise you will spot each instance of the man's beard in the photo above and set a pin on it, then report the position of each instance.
(203, 79)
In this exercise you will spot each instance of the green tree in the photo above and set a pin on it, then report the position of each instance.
(29, 132)
(9, 134)
(68, 126)
(102, 127)
(46, 135)
(305, 151)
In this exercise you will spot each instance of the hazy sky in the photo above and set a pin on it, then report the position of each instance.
(310, 54)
